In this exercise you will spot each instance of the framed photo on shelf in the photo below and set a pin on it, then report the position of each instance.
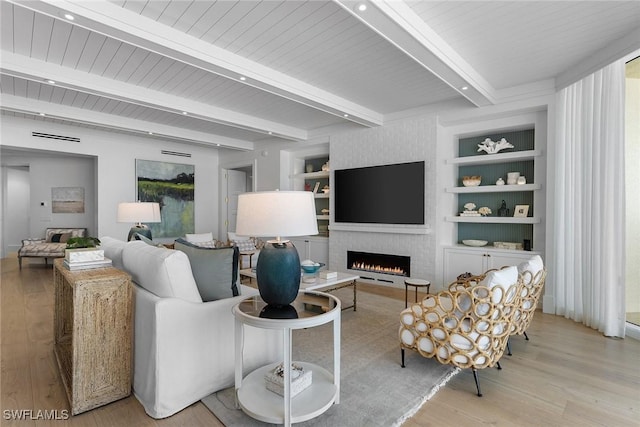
(521, 211)
(315, 188)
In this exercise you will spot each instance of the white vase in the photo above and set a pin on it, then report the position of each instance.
(521, 180)
(512, 178)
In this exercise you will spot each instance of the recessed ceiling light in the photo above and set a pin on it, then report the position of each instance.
(217, 145)
(345, 115)
(243, 78)
(69, 16)
(270, 133)
(42, 114)
(150, 133)
(51, 82)
(185, 113)
(362, 7)
(464, 87)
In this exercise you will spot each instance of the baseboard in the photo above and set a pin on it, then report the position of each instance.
(632, 331)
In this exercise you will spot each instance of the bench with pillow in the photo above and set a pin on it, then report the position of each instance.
(52, 246)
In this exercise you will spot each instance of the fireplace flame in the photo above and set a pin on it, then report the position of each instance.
(378, 269)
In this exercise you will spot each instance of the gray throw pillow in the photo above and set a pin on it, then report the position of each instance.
(214, 269)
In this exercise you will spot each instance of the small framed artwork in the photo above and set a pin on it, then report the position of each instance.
(521, 211)
(315, 188)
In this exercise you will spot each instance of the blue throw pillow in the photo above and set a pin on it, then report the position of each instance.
(214, 269)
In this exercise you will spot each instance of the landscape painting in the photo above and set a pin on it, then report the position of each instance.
(67, 200)
(171, 185)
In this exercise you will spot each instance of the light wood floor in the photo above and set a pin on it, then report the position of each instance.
(566, 375)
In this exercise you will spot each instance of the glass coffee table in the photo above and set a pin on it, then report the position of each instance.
(339, 281)
(309, 309)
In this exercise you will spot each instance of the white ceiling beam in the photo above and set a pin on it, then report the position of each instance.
(110, 121)
(40, 71)
(113, 21)
(398, 23)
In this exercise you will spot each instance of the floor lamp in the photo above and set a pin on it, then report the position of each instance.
(277, 213)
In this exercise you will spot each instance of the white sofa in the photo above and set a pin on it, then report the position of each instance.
(183, 347)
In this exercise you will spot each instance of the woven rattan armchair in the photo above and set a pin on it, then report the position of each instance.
(467, 326)
(533, 276)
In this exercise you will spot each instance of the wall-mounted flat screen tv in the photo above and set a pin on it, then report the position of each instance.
(386, 194)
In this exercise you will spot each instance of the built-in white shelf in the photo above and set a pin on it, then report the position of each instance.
(488, 159)
(312, 175)
(494, 188)
(323, 217)
(321, 195)
(494, 219)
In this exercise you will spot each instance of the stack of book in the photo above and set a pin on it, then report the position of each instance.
(86, 265)
(470, 213)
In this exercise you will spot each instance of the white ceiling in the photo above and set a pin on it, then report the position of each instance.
(307, 66)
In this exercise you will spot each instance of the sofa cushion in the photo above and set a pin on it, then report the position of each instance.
(215, 270)
(75, 232)
(113, 250)
(163, 272)
(60, 237)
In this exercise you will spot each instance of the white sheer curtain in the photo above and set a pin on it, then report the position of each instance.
(589, 213)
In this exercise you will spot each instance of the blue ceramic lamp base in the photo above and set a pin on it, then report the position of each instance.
(145, 231)
(278, 273)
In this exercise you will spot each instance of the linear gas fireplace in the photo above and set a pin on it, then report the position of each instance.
(396, 265)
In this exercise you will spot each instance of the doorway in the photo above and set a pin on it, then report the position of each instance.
(632, 179)
(15, 215)
(235, 181)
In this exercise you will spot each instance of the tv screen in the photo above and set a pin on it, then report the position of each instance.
(387, 194)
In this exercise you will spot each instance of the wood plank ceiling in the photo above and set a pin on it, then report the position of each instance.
(237, 72)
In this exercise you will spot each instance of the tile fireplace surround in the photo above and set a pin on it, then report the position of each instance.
(398, 142)
(415, 246)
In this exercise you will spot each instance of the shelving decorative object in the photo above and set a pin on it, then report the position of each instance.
(318, 182)
(494, 169)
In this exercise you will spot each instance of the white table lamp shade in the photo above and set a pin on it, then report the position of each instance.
(276, 213)
(139, 212)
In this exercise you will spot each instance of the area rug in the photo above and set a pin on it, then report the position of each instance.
(375, 389)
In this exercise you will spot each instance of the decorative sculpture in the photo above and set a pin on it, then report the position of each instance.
(492, 147)
(503, 211)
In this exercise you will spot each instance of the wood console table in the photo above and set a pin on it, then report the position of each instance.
(93, 334)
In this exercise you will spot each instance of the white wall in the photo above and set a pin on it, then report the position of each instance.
(632, 159)
(114, 175)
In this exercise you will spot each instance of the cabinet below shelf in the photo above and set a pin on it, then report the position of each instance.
(494, 219)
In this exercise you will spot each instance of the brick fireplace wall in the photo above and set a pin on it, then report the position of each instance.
(403, 141)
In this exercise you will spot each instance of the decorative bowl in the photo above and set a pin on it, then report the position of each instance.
(471, 181)
(475, 242)
(312, 268)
